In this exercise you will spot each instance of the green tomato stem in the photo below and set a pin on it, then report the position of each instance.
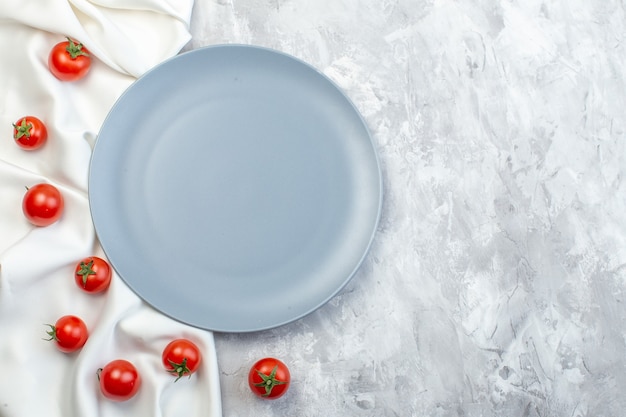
(269, 381)
(22, 130)
(75, 49)
(179, 369)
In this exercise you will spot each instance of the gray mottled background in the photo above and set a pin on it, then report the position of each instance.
(495, 285)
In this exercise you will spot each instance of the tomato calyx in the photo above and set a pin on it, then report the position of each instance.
(22, 130)
(52, 333)
(75, 49)
(179, 369)
(85, 270)
(268, 381)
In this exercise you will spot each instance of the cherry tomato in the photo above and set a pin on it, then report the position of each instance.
(69, 332)
(43, 204)
(181, 357)
(30, 133)
(269, 378)
(69, 60)
(93, 274)
(119, 380)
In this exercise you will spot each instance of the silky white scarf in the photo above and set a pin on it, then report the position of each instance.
(125, 38)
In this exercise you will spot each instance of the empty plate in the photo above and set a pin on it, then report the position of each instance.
(235, 188)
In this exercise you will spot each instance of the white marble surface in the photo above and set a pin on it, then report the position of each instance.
(496, 283)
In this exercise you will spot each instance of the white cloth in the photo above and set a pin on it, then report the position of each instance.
(125, 38)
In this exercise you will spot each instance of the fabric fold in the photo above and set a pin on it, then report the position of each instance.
(130, 37)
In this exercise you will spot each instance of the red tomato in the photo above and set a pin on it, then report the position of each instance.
(69, 332)
(269, 378)
(119, 380)
(43, 204)
(69, 61)
(181, 357)
(29, 133)
(93, 274)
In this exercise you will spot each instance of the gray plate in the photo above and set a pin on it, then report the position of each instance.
(235, 188)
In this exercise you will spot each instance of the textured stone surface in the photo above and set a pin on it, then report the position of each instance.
(495, 285)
